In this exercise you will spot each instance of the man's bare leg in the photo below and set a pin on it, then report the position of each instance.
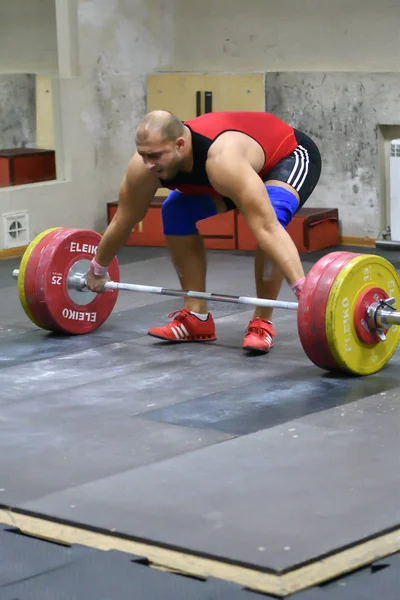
(276, 237)
(188, 256)
(268, 279)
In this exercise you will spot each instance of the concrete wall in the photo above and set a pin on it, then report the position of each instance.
(106, 51)
(17, 111)
(344, 113)
(28, 36)
(107, 47)
(289, 35)
(329, 65)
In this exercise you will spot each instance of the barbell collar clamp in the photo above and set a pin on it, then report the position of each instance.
(383, 314)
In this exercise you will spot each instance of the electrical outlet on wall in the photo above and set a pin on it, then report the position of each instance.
(16, 229)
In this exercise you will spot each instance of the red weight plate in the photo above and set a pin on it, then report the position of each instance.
(38, 308)
(73, 312)
(30, 281)
(42, 307)
(312, 308)
(365, 299)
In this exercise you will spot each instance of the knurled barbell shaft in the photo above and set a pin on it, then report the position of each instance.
(78, 283)
(383, 317)
(112, 285)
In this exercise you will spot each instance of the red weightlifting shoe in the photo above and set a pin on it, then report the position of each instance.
(186, 327)
(259, 335)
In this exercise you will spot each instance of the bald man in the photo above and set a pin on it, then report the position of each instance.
(214, 163)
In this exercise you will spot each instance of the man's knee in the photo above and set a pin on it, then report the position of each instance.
(284, 202)
(180, 212)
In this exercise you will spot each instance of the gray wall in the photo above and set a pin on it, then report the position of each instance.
(106, 48)
(280, 35)
(17, 111)
(28, 36)
(344, 113)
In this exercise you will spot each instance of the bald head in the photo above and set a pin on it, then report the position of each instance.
(164, 144)
(161, 122)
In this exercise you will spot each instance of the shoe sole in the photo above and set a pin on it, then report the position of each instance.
(165, 339)
(255, 349)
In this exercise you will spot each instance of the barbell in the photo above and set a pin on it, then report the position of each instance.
(346, 313)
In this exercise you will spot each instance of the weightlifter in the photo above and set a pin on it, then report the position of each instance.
(214, 163)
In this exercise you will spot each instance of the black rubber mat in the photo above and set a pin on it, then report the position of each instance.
(276, 499)
(23, 557)
(89, 421)
(32, 569)
(258, 405)
(379, 581)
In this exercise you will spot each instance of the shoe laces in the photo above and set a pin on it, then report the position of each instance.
(179, 315)
(261, 327)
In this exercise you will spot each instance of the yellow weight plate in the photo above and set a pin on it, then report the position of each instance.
(350, 352)
(21, 274)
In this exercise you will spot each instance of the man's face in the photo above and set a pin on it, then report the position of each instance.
(159, 156)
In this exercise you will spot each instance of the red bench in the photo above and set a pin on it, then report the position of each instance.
(311, 229)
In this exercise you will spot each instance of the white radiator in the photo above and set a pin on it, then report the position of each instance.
(395, 190)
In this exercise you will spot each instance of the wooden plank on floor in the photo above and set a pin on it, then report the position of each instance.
(330, 567)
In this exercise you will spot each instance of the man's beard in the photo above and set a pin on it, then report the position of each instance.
(172, 172)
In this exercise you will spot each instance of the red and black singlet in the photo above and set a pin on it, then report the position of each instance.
(276, 138)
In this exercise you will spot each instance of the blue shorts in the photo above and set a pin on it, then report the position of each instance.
(181, 212)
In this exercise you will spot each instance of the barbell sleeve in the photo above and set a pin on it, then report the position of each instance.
(385, 318)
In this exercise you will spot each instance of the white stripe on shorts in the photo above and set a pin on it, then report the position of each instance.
(300, 169)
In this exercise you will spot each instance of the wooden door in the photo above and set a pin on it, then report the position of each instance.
(176, 92)
(190, 94)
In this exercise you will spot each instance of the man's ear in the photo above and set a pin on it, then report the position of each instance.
(180, 143)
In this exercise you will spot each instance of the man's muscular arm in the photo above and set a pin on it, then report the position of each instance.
(135, 194)
(231, 174)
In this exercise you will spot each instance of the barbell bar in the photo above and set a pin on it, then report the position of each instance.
(78, 283)
(346, 312)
